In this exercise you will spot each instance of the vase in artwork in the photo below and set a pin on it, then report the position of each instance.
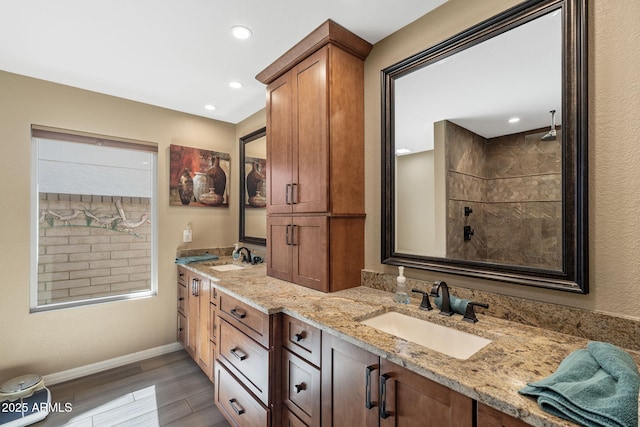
(217, 177)
(200, 184)
(211, 198)
(185, 187)
(255, 178)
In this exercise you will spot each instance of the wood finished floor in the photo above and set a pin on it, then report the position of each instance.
(168, 390)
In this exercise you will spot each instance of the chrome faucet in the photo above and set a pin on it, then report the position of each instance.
(445, 305)
(246, 257)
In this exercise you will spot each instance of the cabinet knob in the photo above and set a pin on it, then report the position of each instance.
(300, 387)
(299, 336)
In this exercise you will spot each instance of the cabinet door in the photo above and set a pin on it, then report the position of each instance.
(349, 384)
(310, 135)
(301, 388)
(310, 260)
(279, 144)
(489, 417)
(203, 347)
(279, 250)
(408, 399)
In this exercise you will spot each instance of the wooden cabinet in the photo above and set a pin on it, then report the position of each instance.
(301, 380)
(408, 399)
(349, 384)
(489, 417)
(246, 355)
(315, 147)
(194, 318)
(360, 389)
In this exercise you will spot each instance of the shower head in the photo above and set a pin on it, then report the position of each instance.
(551, 135)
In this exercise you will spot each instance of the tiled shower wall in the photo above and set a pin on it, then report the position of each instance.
(92, 253)
(513, 184)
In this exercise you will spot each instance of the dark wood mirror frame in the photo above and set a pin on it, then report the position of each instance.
(243, 188)
(573, 276)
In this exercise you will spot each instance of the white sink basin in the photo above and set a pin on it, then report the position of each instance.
(227, 267)
(449, 341)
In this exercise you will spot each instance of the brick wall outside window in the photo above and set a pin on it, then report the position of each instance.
(90, 256)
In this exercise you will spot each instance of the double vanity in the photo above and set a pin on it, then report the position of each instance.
(283, 354)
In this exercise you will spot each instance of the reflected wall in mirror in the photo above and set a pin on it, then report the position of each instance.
(484, 151)
(253, 200)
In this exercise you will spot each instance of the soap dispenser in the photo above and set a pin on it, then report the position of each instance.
(236, 253)
(401, 295)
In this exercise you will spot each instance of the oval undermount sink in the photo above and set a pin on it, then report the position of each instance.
(227, 267)
(442, 339)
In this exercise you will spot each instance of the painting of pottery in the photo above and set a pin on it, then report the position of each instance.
(198, 177)
(256, 191)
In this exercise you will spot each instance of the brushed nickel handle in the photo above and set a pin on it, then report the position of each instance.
(239, 410)
(238, 313)
(239, 354)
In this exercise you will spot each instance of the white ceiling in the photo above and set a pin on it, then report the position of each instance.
(515, 74)
(177, 54)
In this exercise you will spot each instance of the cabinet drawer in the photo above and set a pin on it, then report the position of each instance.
(302, 339)
(290, 420)
(249, 320)
(301, 388)
(182, 329)
(245, 358)
(182, 298)
(182, 276)
(237, 404)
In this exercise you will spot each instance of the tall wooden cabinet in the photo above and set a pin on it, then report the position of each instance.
(315, 171)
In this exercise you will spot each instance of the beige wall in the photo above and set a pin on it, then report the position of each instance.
(614, 152)
(54, 341)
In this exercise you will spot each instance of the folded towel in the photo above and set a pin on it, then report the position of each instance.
(596, 386)
(195, 258)
(458, 305)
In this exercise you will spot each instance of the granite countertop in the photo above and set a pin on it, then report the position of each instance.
(517, 354)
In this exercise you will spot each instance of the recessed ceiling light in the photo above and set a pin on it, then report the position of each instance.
(210, 107)
(235, 85)
(514, 120)
(241, 32)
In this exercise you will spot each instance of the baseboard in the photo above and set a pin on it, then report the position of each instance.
(94, 368)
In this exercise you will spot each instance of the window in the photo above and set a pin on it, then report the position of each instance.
(94, 227)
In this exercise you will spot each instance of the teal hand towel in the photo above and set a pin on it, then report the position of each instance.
(195, 258)
(596, 386)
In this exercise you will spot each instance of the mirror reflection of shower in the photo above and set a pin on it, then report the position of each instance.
(551, 135)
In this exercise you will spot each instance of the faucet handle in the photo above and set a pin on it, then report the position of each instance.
(470, 313)
(425, 304)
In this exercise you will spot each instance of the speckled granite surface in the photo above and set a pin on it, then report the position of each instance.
(517, 354)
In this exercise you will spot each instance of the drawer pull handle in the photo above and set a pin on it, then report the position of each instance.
(237, 313)
(240, 355)
(368, 403)
(299, 336)
(300, 387)
(181, 299)
(236, 407)
(383, 397)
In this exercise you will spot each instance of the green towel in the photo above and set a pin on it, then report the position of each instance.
(596, 386)
(195, 258)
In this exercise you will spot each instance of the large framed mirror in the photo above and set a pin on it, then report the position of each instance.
(484, 145)
(253, 193)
